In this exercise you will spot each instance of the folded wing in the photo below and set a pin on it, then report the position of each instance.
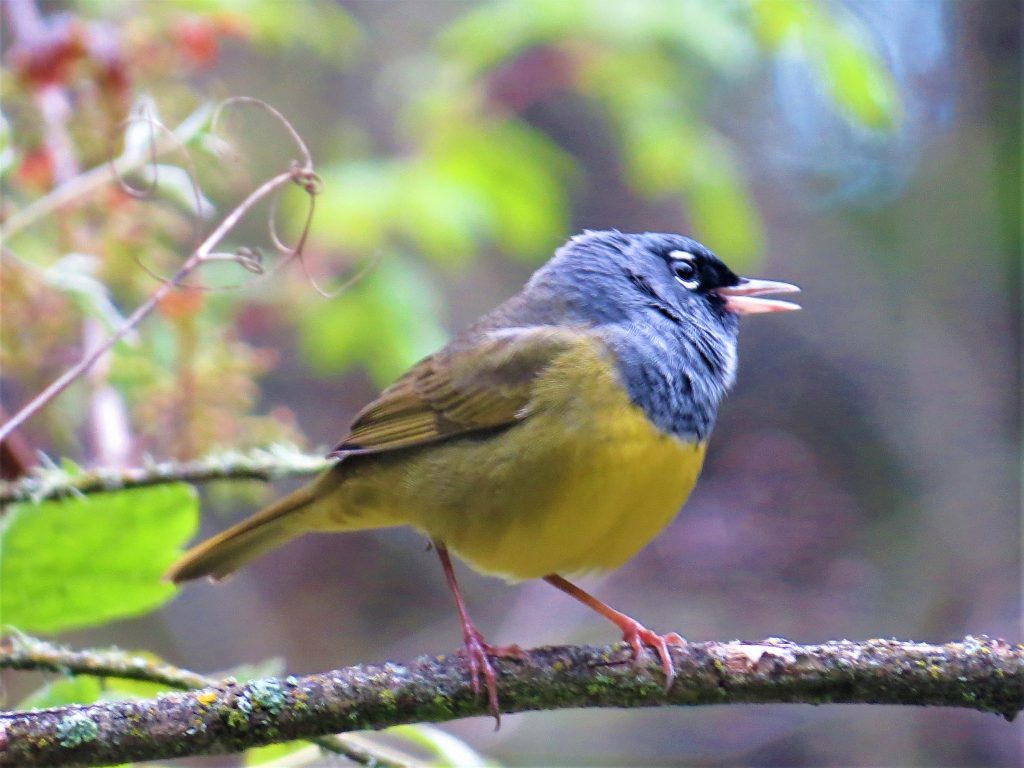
(467, 387)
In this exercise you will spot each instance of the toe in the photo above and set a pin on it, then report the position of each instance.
(674, 638)
(639, 636)
(477, 654)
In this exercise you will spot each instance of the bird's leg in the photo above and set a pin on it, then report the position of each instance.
(633, 632)
(476, 648)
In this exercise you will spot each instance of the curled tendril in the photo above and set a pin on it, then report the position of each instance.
(307, 179)
(250, 259)
(307, 158)
(302, 174)
(366, 268)
(312, 185)
(139, 193)
(144, 116)
(154, 125)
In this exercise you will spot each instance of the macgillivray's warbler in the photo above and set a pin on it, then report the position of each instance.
(557, 435)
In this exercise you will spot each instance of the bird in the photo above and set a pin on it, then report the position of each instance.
(556, 436)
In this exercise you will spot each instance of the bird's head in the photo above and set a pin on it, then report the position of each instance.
(613, 276)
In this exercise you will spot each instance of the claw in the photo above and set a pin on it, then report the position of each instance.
(637, 635)
(633, 632)
(478, 655)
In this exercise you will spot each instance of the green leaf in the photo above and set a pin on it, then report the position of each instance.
(80, 562)
(775, 21)
(719, 205)
(86, 689)
(75, 275)
(323, 27)
(490, 33)
(723, 214)
(667, 157)
(445, 219)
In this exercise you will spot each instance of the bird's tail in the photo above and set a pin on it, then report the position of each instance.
(225, 553)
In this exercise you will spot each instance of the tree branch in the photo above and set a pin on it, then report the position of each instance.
(51, 481)
(977, 673)
(29, 653)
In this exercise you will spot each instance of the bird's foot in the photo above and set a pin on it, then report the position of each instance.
(637, 635)
(478, 655)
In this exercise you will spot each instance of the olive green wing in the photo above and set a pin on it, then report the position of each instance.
(469, 386)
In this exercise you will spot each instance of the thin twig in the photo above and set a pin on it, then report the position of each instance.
(27, 653)
(50, 480)
(301, 174)
(294, 175)
(977, 673)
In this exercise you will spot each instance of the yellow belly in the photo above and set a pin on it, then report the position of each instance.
(581, 484)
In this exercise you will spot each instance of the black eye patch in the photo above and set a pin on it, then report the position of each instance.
(685, 268)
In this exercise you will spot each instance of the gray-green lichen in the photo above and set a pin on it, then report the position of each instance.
(267, 695)
(981, 673)
(76, 729)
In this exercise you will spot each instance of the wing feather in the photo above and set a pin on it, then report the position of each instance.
(464, 388)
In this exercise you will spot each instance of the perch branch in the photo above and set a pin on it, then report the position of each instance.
(977, 673)
(51, 481)
(27, 653)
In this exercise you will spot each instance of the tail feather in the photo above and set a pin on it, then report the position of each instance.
(225, 553)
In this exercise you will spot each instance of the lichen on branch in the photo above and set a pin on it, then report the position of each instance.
(978, 673)
(51, 480)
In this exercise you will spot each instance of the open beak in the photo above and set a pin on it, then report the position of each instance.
(744, 297)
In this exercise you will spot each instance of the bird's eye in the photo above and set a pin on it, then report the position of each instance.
(684, 269)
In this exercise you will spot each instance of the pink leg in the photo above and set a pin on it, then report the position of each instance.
(476, 649)
(633, 632)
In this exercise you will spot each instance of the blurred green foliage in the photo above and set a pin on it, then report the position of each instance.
(399, 303)
(648, 67)
(851, 72)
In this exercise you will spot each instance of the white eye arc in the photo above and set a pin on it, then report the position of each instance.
(685, 271)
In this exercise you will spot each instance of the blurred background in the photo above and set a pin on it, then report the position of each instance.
(864, 478)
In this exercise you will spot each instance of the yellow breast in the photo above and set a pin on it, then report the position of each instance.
(581, 484)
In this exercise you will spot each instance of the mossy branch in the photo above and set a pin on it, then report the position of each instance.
(28, 653)
(977, 673)
(51, 480)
